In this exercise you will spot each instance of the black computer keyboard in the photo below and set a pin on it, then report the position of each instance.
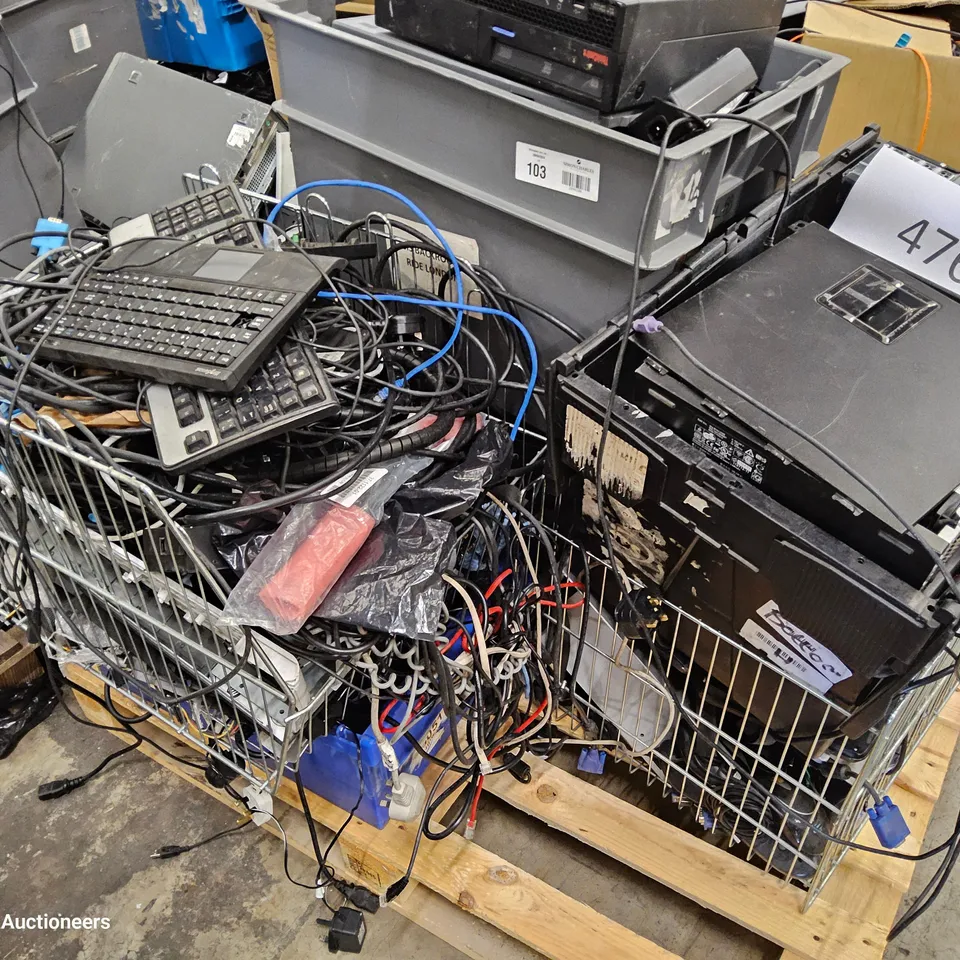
(199, 213)
(201, 316)
(194, 427)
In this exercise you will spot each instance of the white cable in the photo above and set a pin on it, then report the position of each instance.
(547, 714)
(387, 753)
(369, 665)
(408, 716)
(478, 635)
(529, 562)
(480, 642)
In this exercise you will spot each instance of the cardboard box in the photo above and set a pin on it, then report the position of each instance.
(886, 84)
(270, 45)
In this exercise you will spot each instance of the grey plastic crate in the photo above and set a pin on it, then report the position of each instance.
(454, 126)
(575, 283)
(22, 86)
(372, 107)
(67, 46)
(19, 210)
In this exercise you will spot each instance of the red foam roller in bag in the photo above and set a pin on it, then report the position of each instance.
(300, 585)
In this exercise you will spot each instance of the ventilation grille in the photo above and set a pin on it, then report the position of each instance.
(261, 176)
(599, 29)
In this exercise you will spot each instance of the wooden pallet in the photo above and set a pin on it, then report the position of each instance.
(19, 662)
(464, 894)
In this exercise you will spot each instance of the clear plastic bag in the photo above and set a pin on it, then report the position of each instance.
(313, 546)
(457, 489)
(393, 584)
(238, 544)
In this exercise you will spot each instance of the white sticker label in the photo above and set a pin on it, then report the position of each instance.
(558, 171)
(80, 38)
(424, 270)
(788, 661)
(698, 503)
(906, 213)
(240, 135)
(683, 195)
(348, 496)
(823, 660)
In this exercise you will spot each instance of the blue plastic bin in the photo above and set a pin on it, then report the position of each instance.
(218, 34)
(330, 768)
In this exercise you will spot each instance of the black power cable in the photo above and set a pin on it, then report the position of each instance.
(23, 118)
(174, 850)
(54, 789)
(929, 893)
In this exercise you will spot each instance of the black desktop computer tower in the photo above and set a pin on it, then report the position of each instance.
(612, 55)
(736, 520)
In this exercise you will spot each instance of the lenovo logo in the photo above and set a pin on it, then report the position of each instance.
(597, 57)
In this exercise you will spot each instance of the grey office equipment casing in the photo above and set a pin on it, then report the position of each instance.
(67, 48)
(21, 148)
(146, 126)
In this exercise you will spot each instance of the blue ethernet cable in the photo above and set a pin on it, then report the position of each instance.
(424, 219)
(459, 307)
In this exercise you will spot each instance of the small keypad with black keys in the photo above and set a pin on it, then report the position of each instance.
(199, 213)
(194, 427)
(196, 314)
(212, 324)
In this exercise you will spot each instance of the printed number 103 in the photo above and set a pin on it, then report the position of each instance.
(940, 242)
(538, 170)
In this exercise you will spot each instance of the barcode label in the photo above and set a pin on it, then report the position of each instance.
(822, 659)
(786, 660)
(558, 171)
(350, 495)
(576, 181)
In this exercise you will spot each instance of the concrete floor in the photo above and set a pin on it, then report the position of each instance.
(89, 855)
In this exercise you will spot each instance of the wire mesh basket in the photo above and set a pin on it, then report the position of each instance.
(124, 590)
(779, 731)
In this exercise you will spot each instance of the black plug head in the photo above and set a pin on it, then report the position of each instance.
(347, 931)
(649, 604)
(218, 774)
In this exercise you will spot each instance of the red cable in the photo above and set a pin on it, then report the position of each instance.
(563, 586)
(533, 716)
(493, 586)
(487, 595)
(472, 819)
(563, 606)
(496, 583)
(383, 716)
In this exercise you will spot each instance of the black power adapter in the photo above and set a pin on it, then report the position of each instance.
(347, 931)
